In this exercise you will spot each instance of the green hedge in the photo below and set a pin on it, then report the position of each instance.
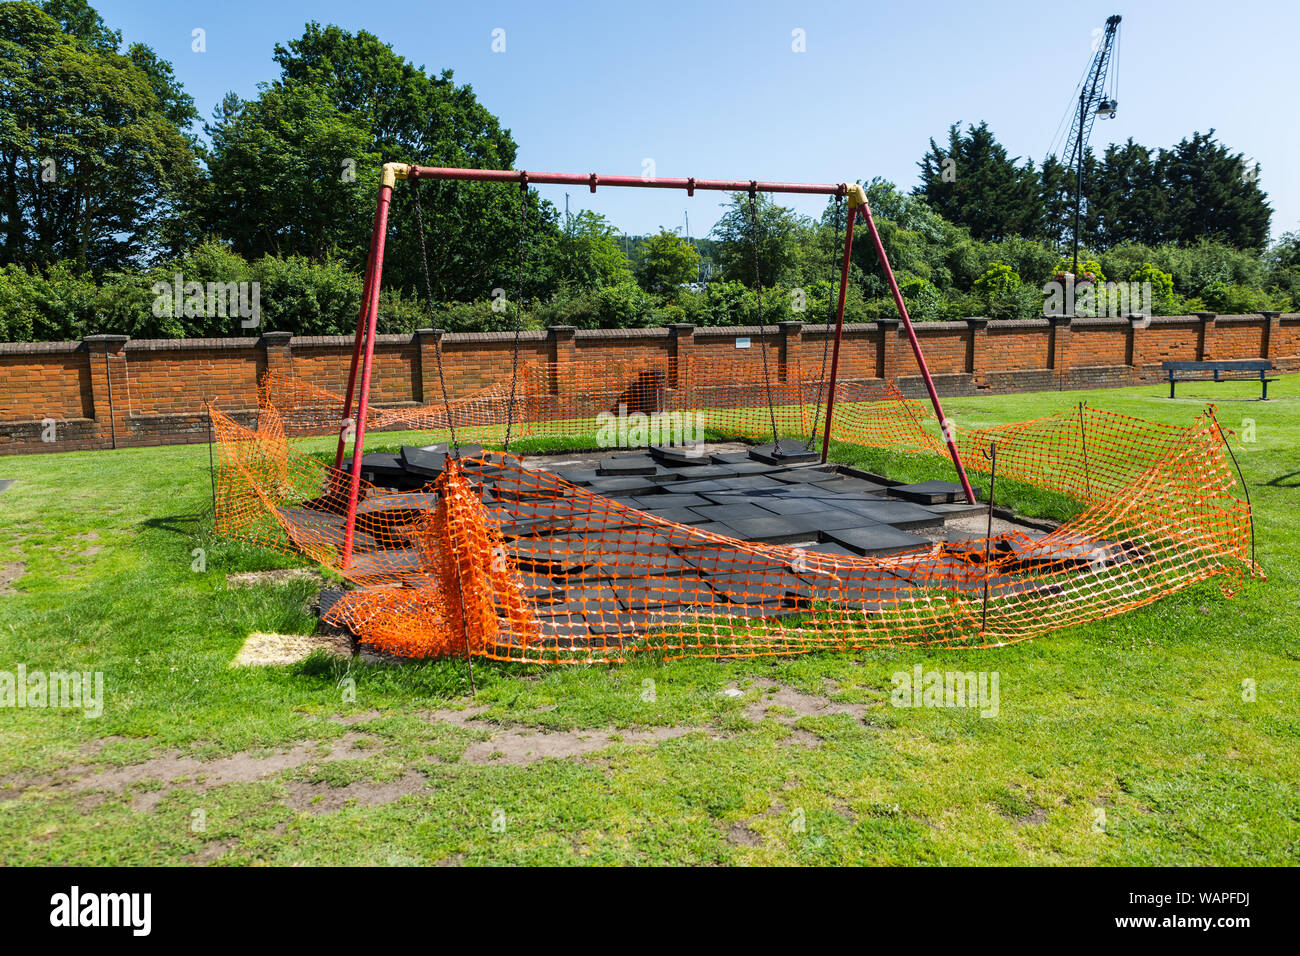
(322, 298)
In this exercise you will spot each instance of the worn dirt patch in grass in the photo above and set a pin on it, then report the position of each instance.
(1032, 819)
(515, 746)
(270, 650)
(524, 746)
(212, 851)
(179, 771)
(508, 745)
(9, 573)
(741, 835)
(779, 698)
(319, 798)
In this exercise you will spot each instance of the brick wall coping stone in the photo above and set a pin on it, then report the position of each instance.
(1104, 322)
(36, 348)
(996, 324)
(173, 345)
(598, 334)
(535, 335)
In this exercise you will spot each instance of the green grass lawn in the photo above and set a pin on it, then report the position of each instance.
(1127, 741)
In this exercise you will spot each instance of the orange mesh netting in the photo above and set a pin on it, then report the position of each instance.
(495, 559)
(555, 401)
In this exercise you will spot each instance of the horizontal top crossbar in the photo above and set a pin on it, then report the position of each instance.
(523, 177)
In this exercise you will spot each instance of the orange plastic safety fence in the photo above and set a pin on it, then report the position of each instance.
(497, 560)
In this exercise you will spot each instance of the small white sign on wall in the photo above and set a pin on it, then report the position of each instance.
(742, 343)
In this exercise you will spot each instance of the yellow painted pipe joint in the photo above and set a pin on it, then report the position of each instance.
(393, 172)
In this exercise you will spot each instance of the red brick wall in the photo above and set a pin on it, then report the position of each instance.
(715, 348)
(600, 349)
(1170, 341)
(325, 362)
(859, 352)
(162, 379)
(944, 345)
(156, 388)
(1100, 342)
(475, 361)
(1288, 339)
(52, 380)
(395, 377)
(1236, 337)
(1012, 346)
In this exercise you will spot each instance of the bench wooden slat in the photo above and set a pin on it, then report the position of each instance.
(1227, 365)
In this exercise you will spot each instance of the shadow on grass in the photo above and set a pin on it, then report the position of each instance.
(185, 526)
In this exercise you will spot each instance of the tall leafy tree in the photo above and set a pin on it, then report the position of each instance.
(382, 108)
(588, 254)
(285, 170)
(1211, 194)
(1089, 209)
(79, 19)
(1126, 199)
(97, 163)
(667, 261)
(1055, 201)
(1283, 263)
(780, 233)
(910, 231)
(972, 182)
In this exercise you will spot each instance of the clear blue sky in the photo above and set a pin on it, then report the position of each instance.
(714, 90)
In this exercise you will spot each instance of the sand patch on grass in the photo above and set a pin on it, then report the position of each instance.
(272, 650)
(248, 579)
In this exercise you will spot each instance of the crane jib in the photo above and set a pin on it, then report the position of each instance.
(1092, 101)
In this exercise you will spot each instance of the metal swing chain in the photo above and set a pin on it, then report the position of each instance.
(437, 339)
(762, 324)
(519, 309)
(830, 320)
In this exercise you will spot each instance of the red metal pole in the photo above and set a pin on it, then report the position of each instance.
(916, 350)
(372, 319)
(593, 180)
(356, 345)
(839, 328)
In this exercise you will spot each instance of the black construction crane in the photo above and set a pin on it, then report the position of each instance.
(1095, 99)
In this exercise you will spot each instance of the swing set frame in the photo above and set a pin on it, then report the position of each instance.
(363, 348)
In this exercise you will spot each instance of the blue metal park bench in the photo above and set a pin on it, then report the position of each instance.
(1260, 367)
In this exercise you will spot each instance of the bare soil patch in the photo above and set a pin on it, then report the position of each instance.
(317, 798)
(180, 771)
(778, 695)
(151, 781)
(9, 573)
(741, 835)
(524, 746)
